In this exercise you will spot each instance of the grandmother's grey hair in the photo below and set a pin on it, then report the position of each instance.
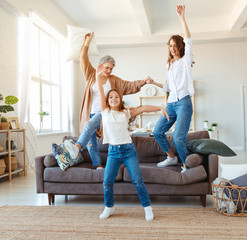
(107, 58)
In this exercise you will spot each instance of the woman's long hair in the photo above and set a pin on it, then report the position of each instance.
(180, 45)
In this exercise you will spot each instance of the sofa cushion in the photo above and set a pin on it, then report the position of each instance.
(194, 160)
(168, 175)
(82, 173)
(209, 146)
(50, 161)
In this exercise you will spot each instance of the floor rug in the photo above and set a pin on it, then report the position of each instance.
(77, 222)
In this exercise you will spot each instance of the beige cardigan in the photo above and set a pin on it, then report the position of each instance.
(124, 87)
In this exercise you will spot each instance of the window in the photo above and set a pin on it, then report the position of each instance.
(46, 85)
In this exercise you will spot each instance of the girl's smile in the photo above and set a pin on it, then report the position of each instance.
(114, 100)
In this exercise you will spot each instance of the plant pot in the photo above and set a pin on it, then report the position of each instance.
(5, 126)
(214, 128)
(2, 166)
(210, 134)
(14, 163)
(205, 125)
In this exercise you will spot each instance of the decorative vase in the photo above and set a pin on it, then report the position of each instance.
(2, 166)
(14, 163)
(12, 145)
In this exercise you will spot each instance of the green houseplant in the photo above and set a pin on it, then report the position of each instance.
(42, 115)
(8, 101)
(6, 107)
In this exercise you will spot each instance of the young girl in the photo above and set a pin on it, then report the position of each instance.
(180, 86)
(115, 120)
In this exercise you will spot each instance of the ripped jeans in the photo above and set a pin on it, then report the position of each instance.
(88, 138)
(118, 154)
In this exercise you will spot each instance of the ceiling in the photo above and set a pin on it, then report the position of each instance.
(151, 22)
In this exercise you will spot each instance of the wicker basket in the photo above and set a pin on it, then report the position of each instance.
(230, 200)
(14, 163)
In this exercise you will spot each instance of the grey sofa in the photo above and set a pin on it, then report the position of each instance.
(84, 180)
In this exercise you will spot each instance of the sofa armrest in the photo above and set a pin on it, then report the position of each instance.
(213, 162)
(39, 171)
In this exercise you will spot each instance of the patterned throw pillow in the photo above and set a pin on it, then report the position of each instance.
(64, 160)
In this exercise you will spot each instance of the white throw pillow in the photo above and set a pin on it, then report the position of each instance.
(231, 171)
(75, 39)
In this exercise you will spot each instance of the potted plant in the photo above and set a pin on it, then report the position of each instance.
(210, 132)
(4, 124)
(6, 107)
(42, 114)
(214, 126)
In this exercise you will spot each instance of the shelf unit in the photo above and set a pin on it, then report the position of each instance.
(10, 151)
(151, 113)
(192, 128)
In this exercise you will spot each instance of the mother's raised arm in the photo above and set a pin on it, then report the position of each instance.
(181, 16)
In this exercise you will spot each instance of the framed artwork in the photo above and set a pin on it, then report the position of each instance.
(13, 122)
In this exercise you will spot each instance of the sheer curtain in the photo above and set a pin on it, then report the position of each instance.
(25, 37)
(24, 50)
(71, 88)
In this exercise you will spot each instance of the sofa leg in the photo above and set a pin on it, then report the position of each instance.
(51, 198)
(203, 200)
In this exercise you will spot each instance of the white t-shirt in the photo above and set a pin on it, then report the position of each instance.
(179, 76)
(96, 101)
(115, 127)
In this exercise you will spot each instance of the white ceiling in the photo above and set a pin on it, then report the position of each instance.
(151, 22)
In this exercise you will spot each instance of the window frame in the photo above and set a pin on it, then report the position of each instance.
(49, 82)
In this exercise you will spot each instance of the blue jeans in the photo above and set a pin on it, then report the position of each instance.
(180, 111)
(88, 138)
(118, 154)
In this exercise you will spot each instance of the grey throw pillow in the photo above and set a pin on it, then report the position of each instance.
(193, 160)
(208, 146)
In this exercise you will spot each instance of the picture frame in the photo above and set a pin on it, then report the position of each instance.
(13, 121)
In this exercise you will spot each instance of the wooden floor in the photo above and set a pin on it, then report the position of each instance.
(22, 191)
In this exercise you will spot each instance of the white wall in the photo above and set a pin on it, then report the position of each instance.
(9, 55)
(219, 71)
(10, 10)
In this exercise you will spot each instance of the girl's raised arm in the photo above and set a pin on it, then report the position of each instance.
(100, 88)
(148, 108)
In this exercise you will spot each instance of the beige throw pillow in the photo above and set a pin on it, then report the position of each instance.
(75, 39)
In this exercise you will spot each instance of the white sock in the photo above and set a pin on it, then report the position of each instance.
(108, 211)
(149, 213)
(72, 148)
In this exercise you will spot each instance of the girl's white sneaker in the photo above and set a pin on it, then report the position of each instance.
(108, 211)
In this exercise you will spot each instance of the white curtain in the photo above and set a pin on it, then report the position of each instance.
(25, 37)
(24, 49)
(71, 89)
